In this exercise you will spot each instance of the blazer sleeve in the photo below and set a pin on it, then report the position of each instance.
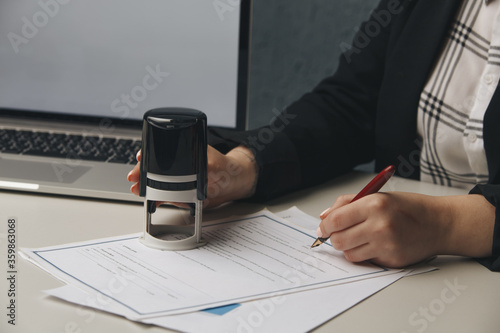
(492, 193)
(329, 130)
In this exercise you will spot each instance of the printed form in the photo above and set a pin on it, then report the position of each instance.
(246, 258)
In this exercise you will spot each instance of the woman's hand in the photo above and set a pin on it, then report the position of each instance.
(230, 177)
(396, 229)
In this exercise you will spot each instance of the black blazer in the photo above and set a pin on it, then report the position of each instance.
(367, 110)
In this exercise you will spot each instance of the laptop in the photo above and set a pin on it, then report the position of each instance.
(77, 76)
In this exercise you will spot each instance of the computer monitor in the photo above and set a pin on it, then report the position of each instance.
(89, 59)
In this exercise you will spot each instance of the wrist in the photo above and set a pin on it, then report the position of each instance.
(442, 214)
(245, 180)
(468, 222)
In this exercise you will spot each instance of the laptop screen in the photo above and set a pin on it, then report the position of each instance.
(120, 58)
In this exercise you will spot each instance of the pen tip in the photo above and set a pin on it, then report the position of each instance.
(317, 242)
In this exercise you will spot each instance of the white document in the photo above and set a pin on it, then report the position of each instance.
(291, 313)
(298, 217)
(246, 258)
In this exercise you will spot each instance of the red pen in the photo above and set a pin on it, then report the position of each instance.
(374, 186)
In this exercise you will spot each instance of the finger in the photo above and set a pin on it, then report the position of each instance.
(341, 201)
(134, 175)
(138, 156)
(344, 217)
(361, 253)
(135, 189)
(350, 238)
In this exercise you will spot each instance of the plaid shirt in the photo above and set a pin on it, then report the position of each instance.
(456, 96)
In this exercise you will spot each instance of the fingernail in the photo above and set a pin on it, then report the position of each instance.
(319, 233)
(129, 175)
(325, 212)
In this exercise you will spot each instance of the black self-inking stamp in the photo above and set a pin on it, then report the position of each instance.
(173, 169)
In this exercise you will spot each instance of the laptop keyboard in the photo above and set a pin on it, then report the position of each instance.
(90, 148)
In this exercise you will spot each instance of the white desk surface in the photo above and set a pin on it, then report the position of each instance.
(421, 303)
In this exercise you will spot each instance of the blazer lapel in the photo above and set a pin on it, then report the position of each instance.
(416, 46)
(491, 132)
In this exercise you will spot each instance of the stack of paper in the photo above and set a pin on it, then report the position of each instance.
(256, 274)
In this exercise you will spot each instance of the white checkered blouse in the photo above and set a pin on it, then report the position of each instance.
(456, 95)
